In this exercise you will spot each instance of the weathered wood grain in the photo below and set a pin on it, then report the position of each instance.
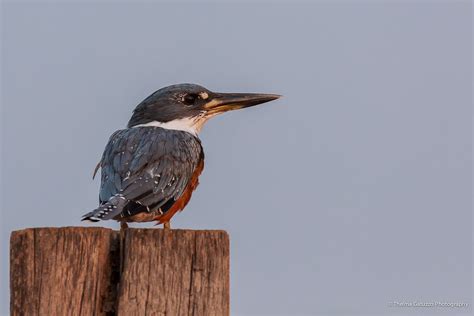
(178, 272)
(63, 271)
(82, 271)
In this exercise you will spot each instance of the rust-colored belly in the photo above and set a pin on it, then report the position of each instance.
(185, 197)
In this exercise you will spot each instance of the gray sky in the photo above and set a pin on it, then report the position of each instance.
(352, 191)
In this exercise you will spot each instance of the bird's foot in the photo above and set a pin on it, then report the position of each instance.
(166, 225)
(123, 225)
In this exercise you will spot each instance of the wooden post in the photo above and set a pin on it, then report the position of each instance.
(63, 271)
(95, 271)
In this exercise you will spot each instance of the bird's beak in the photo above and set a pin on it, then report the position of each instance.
(222, 102)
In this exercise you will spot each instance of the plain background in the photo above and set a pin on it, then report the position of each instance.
(352, 191)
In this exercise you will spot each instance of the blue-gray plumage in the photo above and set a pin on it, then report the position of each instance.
(147, 168)
(150, 169)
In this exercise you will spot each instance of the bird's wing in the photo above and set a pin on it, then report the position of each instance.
(99, 164)
(149, 167)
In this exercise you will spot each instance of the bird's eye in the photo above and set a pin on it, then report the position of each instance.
(189, 99)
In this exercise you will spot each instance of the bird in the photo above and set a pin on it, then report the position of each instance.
(150, 169)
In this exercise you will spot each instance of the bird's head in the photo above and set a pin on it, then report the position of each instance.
(188, 106)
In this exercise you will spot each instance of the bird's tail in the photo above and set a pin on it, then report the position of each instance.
(110, 209)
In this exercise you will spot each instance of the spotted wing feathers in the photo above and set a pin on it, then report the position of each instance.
(145, 169)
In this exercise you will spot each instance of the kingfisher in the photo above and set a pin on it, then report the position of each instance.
(150, 169)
